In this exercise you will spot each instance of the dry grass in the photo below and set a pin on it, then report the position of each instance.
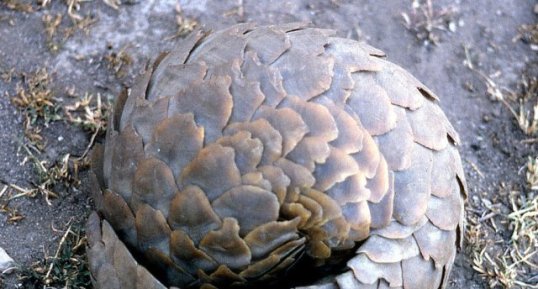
(527, 119)
(67, 268)
(74, 21)
(35, 98)
(494, 91)
(18, 6)
(90, 113)
(64, 172)
(503, 229)
(115, 4)
(506, 263)
(426, 22)
(119, 62)
(56, 34)
(7, 75)
(51, 24)
(532, 173)
(37, 103)
(39, 107)
(185, 25)
(525, 97)
(503, 236)
(13, 214)
(528, 33)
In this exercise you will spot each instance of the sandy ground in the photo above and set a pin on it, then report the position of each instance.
(491, 141)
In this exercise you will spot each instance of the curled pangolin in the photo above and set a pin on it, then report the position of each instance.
(278, 157)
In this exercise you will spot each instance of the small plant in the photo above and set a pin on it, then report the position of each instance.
(35, 98)
(90, 113)
(18, 6)
(532, 173)
(66, 269)
(13, 214)
(119, 62)
(528, 33)
(527, 120)
(185, 25)
(38, 104)
(64, 172)
(527, 113)
(502, 235)
(426, 23)
(51, 24)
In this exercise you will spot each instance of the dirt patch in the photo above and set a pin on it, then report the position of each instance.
(474, 54)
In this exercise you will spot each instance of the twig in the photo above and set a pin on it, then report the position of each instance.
(90, 145)
(62, 241)
(487, 217)
(530, 140)
(476, 169)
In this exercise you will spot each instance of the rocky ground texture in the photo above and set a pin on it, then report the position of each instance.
(63, 62)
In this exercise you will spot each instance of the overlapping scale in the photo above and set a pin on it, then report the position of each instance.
(146, 116)
(400, 89)
(306, 79)
(185, 253)
(269, 43)
(213, 170)
(226, 246)
(209, 50)
(191, 212)
(261, 129)
(287, 122)
(267, 237)
(176, 140)
(368, 271)
(429, 133)
(336, 168)
(246, 94)
(154, 184)
(271, 82)
(155, 236)
(212, 106)
(436, 244)
(413, 186)
(122, 165)
(166, 84)
(250, 206)
(175, 57)
(420, 274)
(384, 250)
(248, 151)
(119, 215)
(372, 105)
(381, 212)
(243, 154)
(397, 144)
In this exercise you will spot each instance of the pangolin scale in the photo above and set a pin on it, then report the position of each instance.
(278, 156)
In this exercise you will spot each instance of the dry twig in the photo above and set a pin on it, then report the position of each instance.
(425, 22)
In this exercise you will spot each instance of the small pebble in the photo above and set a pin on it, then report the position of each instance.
(452, 26)
(6, 262)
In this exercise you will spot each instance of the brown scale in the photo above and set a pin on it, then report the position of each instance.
(276, 157)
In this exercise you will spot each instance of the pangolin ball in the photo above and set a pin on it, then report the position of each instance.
(278, 156)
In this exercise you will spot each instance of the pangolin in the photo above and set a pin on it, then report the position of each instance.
(276, 157)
